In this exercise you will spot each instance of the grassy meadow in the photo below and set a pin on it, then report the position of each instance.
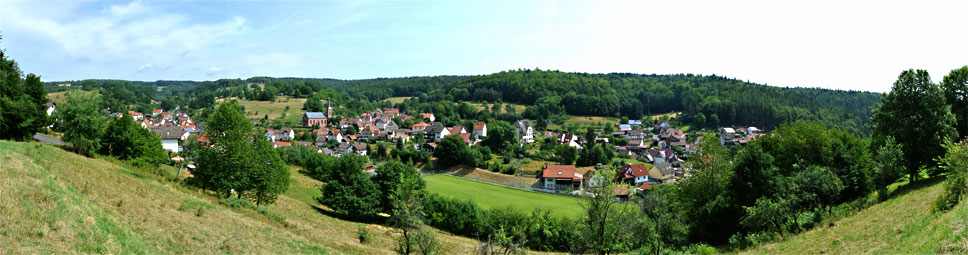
(54, 201)
(396, 100)
(491, 196)
(904, 224)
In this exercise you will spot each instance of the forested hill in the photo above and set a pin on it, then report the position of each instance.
(705, 101)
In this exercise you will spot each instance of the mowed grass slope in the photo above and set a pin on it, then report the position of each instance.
(492, 196)
(53, 201)
(901, 225)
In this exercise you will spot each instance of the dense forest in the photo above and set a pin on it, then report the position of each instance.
(705, 101)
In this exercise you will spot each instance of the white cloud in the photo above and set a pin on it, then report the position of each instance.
(135, 32)
(128, 9)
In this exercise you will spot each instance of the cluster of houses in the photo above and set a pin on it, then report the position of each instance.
(657, 145)
(172, 127)
(332, 139)
(738, 136)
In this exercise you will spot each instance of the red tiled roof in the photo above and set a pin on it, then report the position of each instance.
(479, 125)
(560, 171)
(645, 186)
(421, 124)
(282, 144)
(635, 170)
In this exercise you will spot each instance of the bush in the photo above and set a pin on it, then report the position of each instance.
(363, 233)
(236, 203)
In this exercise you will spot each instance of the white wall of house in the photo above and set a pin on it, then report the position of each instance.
(549, 183)
(640, 179)
(170, 145)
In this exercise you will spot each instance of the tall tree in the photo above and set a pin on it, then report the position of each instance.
(268, 174)
(451, 151)
(223, 165)
(600, 228)
(501, 137)
(82, 121)
(392, 175)
(406, 200)
(915, 114)
(888, 166)
(350, 190)
(955, 87)
(22, 100)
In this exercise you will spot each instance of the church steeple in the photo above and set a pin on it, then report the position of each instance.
(329, 109)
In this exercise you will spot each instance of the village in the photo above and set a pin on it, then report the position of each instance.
(655, 152)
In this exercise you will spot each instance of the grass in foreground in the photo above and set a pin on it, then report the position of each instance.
(53, 201)
(901, 225)
(491, 196)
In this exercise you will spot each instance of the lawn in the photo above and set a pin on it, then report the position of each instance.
(57, 97)
(518, 108)
(396, 100)
(492, 196)
(258, 109)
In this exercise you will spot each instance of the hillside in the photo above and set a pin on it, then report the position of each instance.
(901, 225)
(53, 201)
(703, 100)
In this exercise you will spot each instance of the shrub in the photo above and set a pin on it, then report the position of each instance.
(363, 233)
(236, 203)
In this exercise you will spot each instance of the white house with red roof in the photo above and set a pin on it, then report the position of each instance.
(561, 177)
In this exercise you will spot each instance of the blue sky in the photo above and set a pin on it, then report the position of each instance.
(854, 45)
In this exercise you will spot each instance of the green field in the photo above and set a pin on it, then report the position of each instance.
(396, 100)
(258, 109)
(491, 196)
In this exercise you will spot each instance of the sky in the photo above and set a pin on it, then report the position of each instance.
(850, 45)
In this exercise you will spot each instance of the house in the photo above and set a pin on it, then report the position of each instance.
(624, 127)
(283, 134)
(281, 144)
(524, 130)
(467, 138)
(635, 122)
(480, 130)
(635, 134)
(457, 130)
(420, 126)
(561, 177)
(570, 140)
(384, 125)
(429, 116)
(369, 131)
(314, 118)
(593, 178)
(334, 134)
(661, 172)
(360, 148)
(345, 148)
(436, 131)
(50, 107)
(632, 174)
(170, 135)
(429, 147)
(728, 136)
